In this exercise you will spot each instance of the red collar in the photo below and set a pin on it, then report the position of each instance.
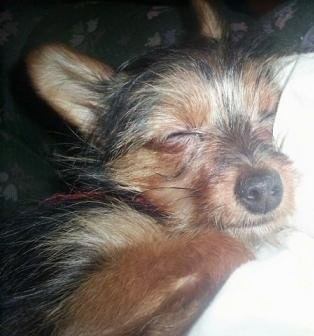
(74, 196)
(131, 199)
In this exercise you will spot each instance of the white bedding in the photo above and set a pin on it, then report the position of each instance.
(274, 295)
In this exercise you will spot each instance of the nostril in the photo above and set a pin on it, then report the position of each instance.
(260, 191)
(254, 194)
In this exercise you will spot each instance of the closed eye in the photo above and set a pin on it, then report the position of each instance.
(184, 134)
(177, 141)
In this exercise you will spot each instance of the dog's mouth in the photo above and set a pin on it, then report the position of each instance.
(253, 231)
(251, 223)
(247, 223)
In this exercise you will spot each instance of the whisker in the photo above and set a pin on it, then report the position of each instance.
(169, 187)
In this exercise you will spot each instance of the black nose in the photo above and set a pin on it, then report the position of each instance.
(259, 191)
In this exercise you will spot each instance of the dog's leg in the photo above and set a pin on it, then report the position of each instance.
(155, 288)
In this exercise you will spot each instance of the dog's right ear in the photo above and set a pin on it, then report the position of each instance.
(70, 82)
(211, 24)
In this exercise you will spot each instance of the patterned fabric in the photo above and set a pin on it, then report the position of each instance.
(108, 30)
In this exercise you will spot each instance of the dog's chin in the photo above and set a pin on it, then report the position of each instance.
(257, 233)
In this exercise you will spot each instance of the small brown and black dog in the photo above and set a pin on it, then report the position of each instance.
(181, 175)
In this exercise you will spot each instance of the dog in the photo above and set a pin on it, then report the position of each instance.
(179, 177)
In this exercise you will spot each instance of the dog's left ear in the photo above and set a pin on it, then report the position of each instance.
(70, 82)
(211, 24)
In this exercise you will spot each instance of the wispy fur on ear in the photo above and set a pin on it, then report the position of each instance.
(210, 23)
(70, 82)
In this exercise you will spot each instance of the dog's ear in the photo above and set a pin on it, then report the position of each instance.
(69, 82)
(211, 24)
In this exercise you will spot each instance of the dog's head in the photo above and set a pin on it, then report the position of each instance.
(189, 129)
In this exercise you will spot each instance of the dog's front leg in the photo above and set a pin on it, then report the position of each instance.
(155, 287)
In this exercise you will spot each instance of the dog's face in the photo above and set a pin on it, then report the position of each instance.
(190, 130)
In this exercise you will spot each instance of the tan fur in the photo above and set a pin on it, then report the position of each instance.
(108, 231)
(168, 272)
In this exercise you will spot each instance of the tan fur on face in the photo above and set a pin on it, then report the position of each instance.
(260, 94)
(173, 97)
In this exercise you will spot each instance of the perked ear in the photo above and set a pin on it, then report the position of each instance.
(210, 23)
(69, 82)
